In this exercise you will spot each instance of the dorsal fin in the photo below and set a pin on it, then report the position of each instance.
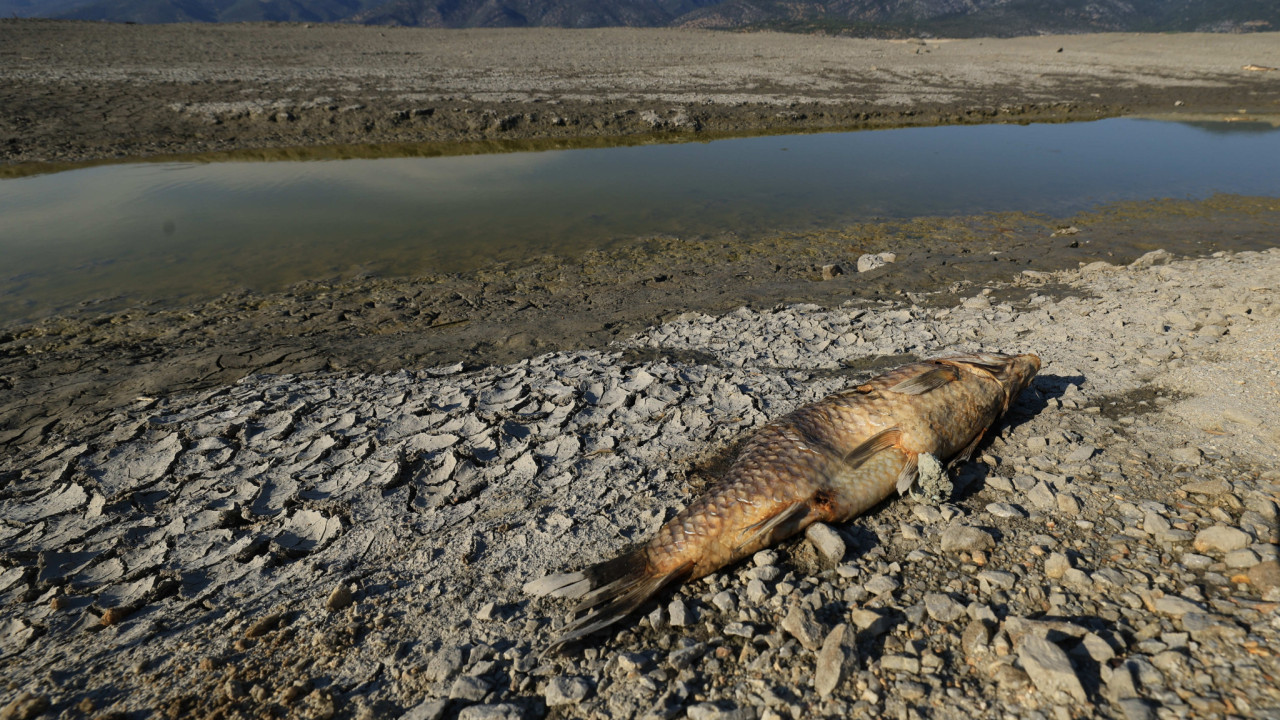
(926, 381)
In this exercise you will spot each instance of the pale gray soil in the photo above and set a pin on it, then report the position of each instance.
(81, 91)
(354, 544)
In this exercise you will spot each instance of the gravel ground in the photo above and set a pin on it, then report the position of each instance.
(353, 544)
(74, 91)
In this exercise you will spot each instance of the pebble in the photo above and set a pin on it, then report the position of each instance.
(469, 688)
(1265, 575)
(900, 663)
(1049, 668)
(1186, 456)
(1056, 565)
(566, 690)
(427, 710)
(800, 623)
(680, 614)
(943, 607)
(340, 599)
(869, 261)
(1221, 539)
(833, 661)
(963, 538)
(881, 585)
(1176, 606)
(1006, 511)
(498, 711)
(827, 541)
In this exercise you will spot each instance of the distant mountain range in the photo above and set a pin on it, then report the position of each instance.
(876, 18)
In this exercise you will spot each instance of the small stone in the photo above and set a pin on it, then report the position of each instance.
(680, 614)
(1220, 538)
(1006, 511)
(998, 579)
(428, 710)
(757, 592)
(881, 585)
(26, 706)
(1081, 454)
(1056, 565)
(1097, 648)
(900, 663)
(978, 302)
(632, 662)
(339, 599)
(830, 272)
(1187, 456)
(1068, 504)
(1155, 257)
(1176, 606)
(469, 688)
(827, 541)
(962, 538)
(1049, 668)
(1265, 575)
(926, 513)
(1242, 558)
(1037, 444)
(500, 711)
(803, 627)
(870, 622)
(833, 661)
(725, 601)
(1136, 709)
(566, 691)
(264, 626)
(1207, 487)
(871, 262)
(485, 613)
(943, 607)
(1042, 497)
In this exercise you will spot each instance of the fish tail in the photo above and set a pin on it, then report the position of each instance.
(607, 591)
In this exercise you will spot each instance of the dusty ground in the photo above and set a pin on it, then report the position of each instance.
(79, 91)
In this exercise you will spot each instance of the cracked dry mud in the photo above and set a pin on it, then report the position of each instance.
(352, 544)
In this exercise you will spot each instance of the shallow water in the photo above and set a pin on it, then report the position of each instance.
(186, 230)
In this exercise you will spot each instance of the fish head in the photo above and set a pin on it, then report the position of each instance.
(1017, 373)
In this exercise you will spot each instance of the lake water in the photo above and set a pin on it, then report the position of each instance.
(183, 230)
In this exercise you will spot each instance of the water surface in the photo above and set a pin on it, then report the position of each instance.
(187, 230)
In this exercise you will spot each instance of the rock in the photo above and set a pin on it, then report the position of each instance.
(264, 626)
(469, 688)
(871, 262)
(830, 272)
(1220, 538)
(680, 614)
(1006, 511)
(26, 706)
(998, 579)
(900, 663)
(339, 599)
(1042, 497)
(1175, 606)
(1242, 558)
(833, 661)
(500, 711)
(1068, 504)
(978, 302)
(963, 538)
(1056, 565)
(1207, 487)
(881, 585)
(428, 710)
(1136, 709)
(445, 664)
(1081, 454)
(1265, 575)
(870, 622)
(725, 601)
(713, 711)
(1049, 668)
(566, 691)
(943, 607)
(827, 541)
(801, 624)
(1155, 257)
(1186, 456)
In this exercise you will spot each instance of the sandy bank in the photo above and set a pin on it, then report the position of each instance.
(80, 91)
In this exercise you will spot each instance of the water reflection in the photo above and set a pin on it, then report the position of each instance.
(169, 230)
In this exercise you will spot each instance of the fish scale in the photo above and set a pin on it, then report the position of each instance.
(824, 462)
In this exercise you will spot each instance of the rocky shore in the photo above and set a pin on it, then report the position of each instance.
(80, 91)
(353, 544)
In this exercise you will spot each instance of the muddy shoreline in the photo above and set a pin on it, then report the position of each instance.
(72, 92)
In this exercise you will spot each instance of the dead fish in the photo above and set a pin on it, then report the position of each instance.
(825, 462)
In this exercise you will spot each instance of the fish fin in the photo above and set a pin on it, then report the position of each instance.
(570, 585)
(621, 594)
(907, 476)
(882, 440)
(967, 452)
(926, 381)
(771, 523)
